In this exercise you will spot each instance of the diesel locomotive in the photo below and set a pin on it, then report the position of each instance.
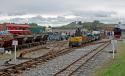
(79, 38)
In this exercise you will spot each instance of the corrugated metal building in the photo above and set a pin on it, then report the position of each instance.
(37, 29)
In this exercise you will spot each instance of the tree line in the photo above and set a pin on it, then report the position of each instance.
(95, 25)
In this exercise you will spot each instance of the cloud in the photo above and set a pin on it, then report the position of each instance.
(91, 13)
(16, 13)
(56, 11)
(57, 7)
(60, 20)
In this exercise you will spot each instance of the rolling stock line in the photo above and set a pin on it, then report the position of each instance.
(25, 41)
(19, 68)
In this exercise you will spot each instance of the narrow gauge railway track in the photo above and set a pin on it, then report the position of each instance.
(19, 68)
(55, 43)
(73, 67)
(14, 69)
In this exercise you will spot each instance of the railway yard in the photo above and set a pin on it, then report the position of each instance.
(62, 38)
(55, 53)
(55, 58)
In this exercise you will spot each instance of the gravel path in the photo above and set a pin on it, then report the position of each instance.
(60, 62)
(95, 63)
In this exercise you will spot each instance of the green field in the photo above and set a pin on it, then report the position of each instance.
(115, 67)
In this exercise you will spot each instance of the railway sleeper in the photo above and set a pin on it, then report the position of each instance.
(33, 66)
(17, 71)
(9, 70)
(52, 55)
(4, 74)
(43, 60)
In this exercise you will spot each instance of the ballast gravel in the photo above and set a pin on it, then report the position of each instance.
(54, 65)
(95, 63)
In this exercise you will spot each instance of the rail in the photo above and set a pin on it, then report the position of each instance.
(19, 68)
(73, 67)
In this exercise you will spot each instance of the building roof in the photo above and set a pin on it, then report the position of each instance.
(17, 25)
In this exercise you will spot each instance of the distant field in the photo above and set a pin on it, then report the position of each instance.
(115, 67)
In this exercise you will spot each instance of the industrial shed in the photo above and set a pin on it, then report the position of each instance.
(37, 29)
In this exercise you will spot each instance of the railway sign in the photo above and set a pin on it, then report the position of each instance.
(14, 42)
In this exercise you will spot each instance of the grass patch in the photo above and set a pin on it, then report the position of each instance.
(115, 67)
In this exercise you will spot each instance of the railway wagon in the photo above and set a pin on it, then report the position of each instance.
(24, 41)
(6, 41)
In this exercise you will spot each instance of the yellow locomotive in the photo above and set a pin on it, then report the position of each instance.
(77, 39)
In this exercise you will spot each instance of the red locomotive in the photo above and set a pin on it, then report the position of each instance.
(117, 33)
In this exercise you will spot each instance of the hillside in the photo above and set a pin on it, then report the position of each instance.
(88, 25)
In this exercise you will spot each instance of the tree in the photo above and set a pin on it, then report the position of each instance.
(95, 24)
(33, 24)
(49, 27)
(79, 23)
(87, 25)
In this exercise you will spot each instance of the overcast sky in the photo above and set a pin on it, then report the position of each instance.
(58, 12)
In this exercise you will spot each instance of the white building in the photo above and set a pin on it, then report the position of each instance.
(121, 26)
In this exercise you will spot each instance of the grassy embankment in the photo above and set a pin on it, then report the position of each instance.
(115, 67)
